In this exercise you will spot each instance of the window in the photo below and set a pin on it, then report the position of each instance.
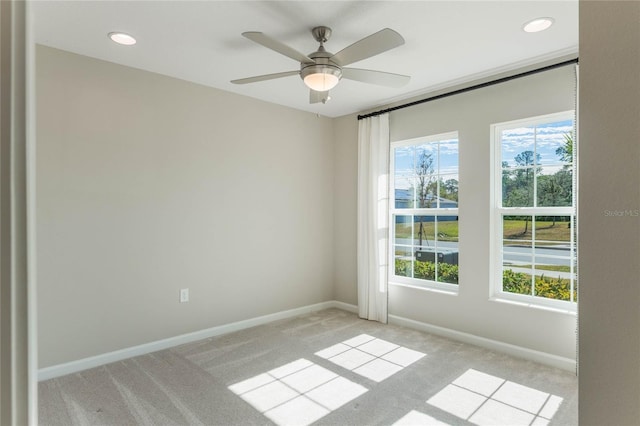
(424, 212)
(535, 210)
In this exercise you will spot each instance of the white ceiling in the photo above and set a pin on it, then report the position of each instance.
(447, 42)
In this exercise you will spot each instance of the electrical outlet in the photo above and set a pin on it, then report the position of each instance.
(184, 295)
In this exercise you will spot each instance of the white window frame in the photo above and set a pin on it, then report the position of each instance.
(436, 211)
(496, 288)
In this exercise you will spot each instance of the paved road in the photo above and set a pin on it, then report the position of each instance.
(516, 255)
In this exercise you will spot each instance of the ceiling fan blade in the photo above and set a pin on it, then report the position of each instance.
(264, 77)
(372, 45)
(316, 97)
(279, 47)
(375, 77)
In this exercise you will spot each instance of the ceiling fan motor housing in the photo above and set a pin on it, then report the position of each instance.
(322, 64)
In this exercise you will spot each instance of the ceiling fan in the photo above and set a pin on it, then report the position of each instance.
(321, 70)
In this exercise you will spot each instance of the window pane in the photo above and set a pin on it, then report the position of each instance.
(425, 242)
(555, 187)
(448, 232)
(514, 143)
(517, 232)
(553, 257)
(514, 281)
(575, 259)
(426, 191)
(554, 142)
(425, 266)
(404, 226)
(554, 232)
(517, 188)
(403, 158)
(448, 186)
(517, 270)
(575, 281)
(426, 171)
(424, 231)
(517, 254)
(447, 244)
(518, 260)
(552, 279)
(403, 261)
(427, 158)
(404, 191)
(426, 254)
(448, 158)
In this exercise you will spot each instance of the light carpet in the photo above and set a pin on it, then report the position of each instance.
(324, 368)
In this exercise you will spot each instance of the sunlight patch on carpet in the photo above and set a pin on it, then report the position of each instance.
(298, 393)
(483, 399)
(416, 418)
(370, 357)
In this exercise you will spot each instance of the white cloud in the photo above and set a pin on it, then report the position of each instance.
(555, 129)
(518, 131)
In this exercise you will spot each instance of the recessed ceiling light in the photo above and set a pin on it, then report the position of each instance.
(122, 38)
(538, 24)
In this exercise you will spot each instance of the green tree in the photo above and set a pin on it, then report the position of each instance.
(526, 158)
(521, 193)
(555, 189)
(550, 192)
(426, 181)
(449, 189)
(517, 183)
(565, 152)
(427, 187)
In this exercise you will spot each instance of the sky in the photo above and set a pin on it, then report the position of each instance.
(445, 160)
(544, 139)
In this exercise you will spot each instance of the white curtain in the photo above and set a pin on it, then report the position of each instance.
(373, 217)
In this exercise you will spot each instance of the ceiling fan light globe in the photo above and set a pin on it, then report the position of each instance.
(321, 82)
(321, 77)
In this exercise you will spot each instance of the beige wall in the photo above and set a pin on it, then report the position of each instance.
(148, 184)
(345, 206)
(471, 114)
(609, 245)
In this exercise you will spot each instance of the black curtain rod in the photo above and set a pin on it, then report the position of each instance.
(470, 88)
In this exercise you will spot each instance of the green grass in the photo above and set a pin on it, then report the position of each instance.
(447, 230)
(514, 230)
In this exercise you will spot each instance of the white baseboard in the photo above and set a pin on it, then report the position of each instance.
(107, 358)
(518, 351)
(345, 306)
(563, 363)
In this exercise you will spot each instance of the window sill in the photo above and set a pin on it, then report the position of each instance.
(556, 309)
(426, 288)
